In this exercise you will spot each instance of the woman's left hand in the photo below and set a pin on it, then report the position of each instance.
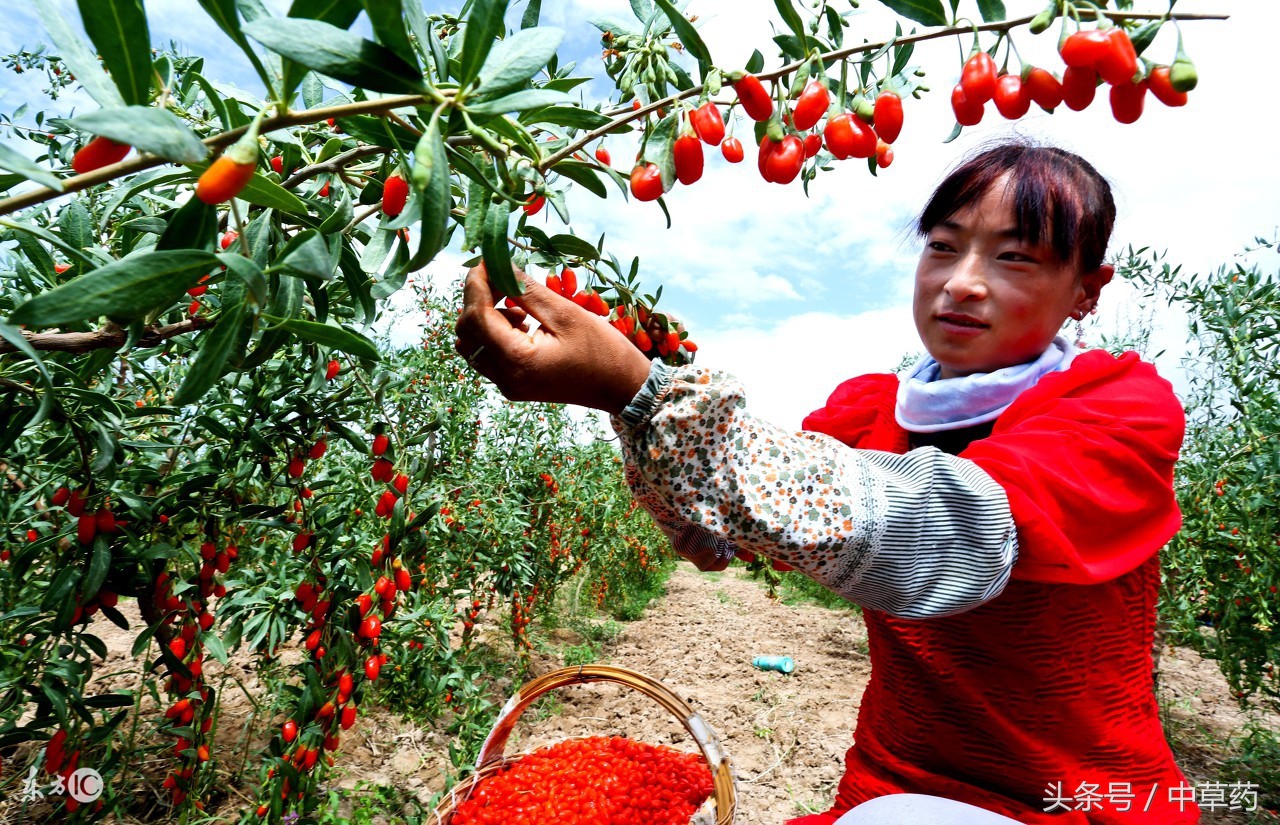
(573, 357)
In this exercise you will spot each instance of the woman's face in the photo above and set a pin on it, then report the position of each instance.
(984, 299)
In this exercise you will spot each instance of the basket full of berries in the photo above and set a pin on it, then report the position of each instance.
(603, 780)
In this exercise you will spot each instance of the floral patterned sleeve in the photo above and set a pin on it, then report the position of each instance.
(919, 535)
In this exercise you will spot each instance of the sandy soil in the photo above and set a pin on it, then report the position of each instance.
(785, 734)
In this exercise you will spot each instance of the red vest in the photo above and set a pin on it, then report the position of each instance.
(1049, 684)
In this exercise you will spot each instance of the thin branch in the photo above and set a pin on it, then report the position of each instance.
(299, 118)
(110, 336)
(623, 115)
(333, 164)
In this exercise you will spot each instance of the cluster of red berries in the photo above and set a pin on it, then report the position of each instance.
(57, 762)
(1091, 56)
(651, 334)
(190, 714)
(606, 780)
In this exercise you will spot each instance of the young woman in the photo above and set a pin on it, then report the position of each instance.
(998, 513)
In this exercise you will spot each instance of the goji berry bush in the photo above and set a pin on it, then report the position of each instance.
(204, 417)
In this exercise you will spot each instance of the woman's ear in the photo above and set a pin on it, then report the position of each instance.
(1091, 283)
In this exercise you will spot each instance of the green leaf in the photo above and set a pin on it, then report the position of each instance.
(309, 256)
(792, 18)
(517, 58)
(60, 588)
(375, 130)
(17, 162)
(224, 14)
(688, 35)
(99, 564)
(15, 337)
(531, 14)
(338, 53)
(106, 701)
(79, 59)
(436, 200)
(992, 10)
(194, 225)
(575, 247)
(571, 116)
(339, 13)
(927, 12)
(118, 29)
(211, 361)
(76, 224)
(518, 102)
(387, 19)
(331, 336)
(214, 645)
(128, 288)
(584, 174)
(157, 131)
(261, 191)
(497, 252)
(483, 25)
(755, 63)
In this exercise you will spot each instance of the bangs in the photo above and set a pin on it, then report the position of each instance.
(1060, 202)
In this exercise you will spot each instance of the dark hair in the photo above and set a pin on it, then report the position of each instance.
(1057, 196)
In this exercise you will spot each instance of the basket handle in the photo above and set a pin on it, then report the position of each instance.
(722, 769)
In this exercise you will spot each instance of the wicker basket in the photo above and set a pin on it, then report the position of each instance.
(492, 759)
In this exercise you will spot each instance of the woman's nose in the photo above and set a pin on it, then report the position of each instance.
(967, 280)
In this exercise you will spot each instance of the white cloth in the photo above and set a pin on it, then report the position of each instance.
(928, 404)
(920, 809)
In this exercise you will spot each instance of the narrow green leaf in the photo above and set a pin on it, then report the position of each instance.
(223, 13)
(338, 53)
(517, 58)
(584, 174)
(99, 564)
(927, 12)
(574, 247)
(571, 116)
(531, 14)
(128, 288)
(387, 19)
(436, 200)
(755, 63)
(309, 256)
(339, 13)
(79, 59)
(118, 29)
(483, 25)
(792, 18)
(192, 226)
(17, 162)
(76, 224)
(992, 11)
(214, 645)
(605, 23)
(148, 129)
(496, 251)
(210, 364)
(688, 34)
(18, 340)
(106, 701)
(331, 336)
(517, 102)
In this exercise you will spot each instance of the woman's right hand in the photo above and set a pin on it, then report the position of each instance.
(573, 357)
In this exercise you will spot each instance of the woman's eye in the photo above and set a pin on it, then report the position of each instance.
(1015, 257)
(939, 246)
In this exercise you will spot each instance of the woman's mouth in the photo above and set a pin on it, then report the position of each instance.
(958, 322)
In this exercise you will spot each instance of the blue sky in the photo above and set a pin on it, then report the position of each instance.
(794, 294)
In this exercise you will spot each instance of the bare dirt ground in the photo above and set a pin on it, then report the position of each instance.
(786, 734)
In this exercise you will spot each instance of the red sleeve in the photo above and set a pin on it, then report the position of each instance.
(1086, 458)
(860, 413)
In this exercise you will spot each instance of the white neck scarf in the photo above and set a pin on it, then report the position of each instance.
(927, 403)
